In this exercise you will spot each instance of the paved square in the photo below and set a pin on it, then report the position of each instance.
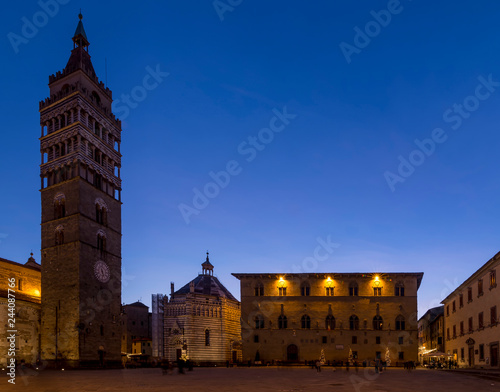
(250, 379)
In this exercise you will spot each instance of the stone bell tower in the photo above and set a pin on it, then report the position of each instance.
(81, 216)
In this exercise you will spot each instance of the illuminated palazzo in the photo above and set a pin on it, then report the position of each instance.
(347, 316)
(26, 290)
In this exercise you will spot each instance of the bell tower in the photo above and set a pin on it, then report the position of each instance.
(81, 216)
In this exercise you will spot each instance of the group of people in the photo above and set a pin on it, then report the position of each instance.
(409, 365)
(378, 364)
(168, 366)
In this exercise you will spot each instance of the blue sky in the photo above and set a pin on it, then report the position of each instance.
(322, 176)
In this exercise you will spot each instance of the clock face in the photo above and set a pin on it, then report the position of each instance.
(101, 271)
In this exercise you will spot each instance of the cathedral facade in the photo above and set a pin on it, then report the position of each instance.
(81, 216)
(202, 322)
(337, 316)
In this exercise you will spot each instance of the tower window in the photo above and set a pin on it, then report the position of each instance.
(96, 98)
(98, 181)
(259, 290)
(305, 289)
(59, 206)
(59, 235)
(19, 284)
(101, 244)
(207, 337)
(101, 214)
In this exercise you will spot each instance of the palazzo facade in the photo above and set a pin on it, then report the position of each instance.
(471, 319)
(343, 316)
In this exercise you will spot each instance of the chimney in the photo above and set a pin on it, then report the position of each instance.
(171, 289)
(191, 287)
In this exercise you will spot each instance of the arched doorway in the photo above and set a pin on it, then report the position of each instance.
(292, 353)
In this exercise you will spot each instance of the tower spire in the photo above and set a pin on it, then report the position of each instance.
(80, 38)
(207, 267)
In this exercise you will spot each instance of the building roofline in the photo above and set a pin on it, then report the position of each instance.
(439, 310)
(475, 275)
(21, 265)
(276, 275)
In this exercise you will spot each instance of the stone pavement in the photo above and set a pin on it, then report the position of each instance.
(250, 379)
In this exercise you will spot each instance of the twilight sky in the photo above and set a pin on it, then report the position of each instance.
(280, 126)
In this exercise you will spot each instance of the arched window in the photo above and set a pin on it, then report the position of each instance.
(282, 322)
(305, 289)
(59, 235)
(353, 289)
(259, 290)
(96, 98)
(101, 243)
(59, 206)
(305, 322)
(330, 322)
(259, 322)
(101, 211)
(377, 323)
(353, 323)
(400, 289)
(400, 323)
(207, 337)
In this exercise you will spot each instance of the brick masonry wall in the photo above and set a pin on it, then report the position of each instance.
(69, 286)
